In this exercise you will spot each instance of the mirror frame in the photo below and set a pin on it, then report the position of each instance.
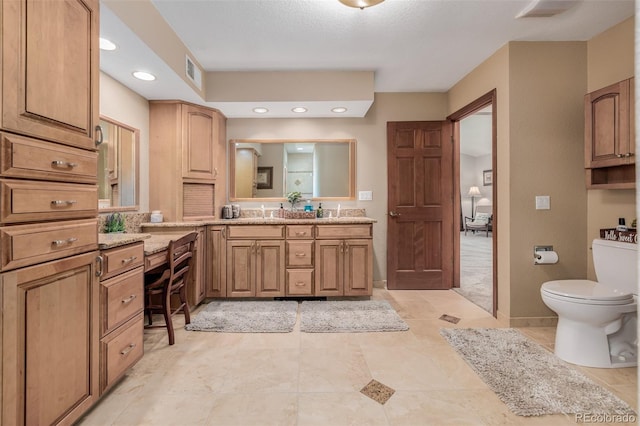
(232, 167)
(136, 135)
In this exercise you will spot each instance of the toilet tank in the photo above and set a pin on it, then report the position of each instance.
(616, 264)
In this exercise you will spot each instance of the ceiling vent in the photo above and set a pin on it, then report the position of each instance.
(546, 8)
(193, 72)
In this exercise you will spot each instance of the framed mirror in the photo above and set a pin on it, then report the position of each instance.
(118, 157)
(267, 169)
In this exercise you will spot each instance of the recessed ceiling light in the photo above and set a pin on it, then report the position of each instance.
(339, 110)
(142, 75)
(361, 4)
(107, 44)
(260, 110)
(299, 109)
(300, 148)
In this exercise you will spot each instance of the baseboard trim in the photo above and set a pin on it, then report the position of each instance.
(380, 284)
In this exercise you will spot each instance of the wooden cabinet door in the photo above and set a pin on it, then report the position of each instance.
(216, 263)
(50, 341)
(199, 138)
(50, 69)
(240, 268)
(270, 268)
(329, 257)
(358, 267)
(197, 280)
(607, 126)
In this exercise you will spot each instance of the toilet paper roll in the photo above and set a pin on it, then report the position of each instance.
(546, 257)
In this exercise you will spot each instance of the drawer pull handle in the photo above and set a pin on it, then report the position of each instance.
(58, 163)
(300, 254)
(301, 232)
(129, 299)
(63, 202)
(128, 349)
(62, 242)
(300, 283)
(130, 259)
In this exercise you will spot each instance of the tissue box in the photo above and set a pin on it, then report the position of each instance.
(288, 214)
(628, 236)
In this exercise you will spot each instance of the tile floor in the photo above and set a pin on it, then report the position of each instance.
(315, 378)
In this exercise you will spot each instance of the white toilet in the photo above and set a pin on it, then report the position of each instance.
(597, 321)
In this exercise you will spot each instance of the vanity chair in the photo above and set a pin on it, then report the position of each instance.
(481, 221)
(158, 288)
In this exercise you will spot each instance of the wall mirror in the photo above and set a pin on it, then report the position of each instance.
(267, 169)
(118, 167)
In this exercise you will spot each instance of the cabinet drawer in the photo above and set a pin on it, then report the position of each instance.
(255, 232)
(299, 282)
(117, 260)
(121, 297)
(30, 201)
(343, 231)
(300, 253)
(299, 231)
(24, 245)
(33, 159)
(121, 350)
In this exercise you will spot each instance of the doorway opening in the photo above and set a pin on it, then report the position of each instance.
(475, 245)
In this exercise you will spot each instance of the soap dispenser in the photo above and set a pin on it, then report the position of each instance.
(319, 211)
(308, 207)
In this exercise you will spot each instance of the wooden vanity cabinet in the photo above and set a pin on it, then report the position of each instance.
(255, 261)
(216, 262)
(121, 311)
(184, 160)
(300, 260)
(610, 136)
(344, 260)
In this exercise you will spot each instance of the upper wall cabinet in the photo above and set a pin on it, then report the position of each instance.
(610, 136)
(50, 70)
(186, 160)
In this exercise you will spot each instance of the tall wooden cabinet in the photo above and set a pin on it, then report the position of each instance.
(216, 262)
(48, 211)
(610, 136)
(185, 160)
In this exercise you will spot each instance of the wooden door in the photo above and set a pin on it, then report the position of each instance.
(216, 267)
(50, 341)
(270, 268)
(358, 267)
(420, 202)
(240, 269)
(329, 277)
(199, 130)
(50, 69)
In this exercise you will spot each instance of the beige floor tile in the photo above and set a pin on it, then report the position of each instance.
(390, 339)
(270, 340)
(107, 411)
(339, 409)
(333, 370)
(254, 409)
(328, 340)
(612, 376)
(263, 370)
(165, 410)
(628, 393)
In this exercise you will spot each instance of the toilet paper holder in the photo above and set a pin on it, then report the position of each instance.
(549, 256)
(540, 248)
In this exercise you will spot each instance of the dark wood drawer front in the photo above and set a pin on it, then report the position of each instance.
(122, 297)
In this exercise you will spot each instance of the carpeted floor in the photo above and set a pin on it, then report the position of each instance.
(476, 269)
(349, 316)
(246, 317)
(529, 379)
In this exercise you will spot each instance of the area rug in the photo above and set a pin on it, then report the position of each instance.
(246, 317)
(529, 379)
(349, 316)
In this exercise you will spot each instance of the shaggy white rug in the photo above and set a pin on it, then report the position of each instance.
(246, 317)
(529, 379)
(349, 316)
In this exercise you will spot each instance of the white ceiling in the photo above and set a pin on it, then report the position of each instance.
(411, 45)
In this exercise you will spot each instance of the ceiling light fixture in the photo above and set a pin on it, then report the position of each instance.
(107, 44)
(299, 109)
(142, 75)
(360, 4)
(339, 110)
(260, 110)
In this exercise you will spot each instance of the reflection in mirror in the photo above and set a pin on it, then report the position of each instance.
(269, 169)
(118, 166)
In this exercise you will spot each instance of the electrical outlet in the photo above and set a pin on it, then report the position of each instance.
(543, 202)
(365, 195)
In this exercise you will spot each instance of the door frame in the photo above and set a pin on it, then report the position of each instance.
(483, 101)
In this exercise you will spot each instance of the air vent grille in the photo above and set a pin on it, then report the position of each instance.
(193, 72)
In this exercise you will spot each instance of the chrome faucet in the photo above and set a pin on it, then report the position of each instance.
(338, 211)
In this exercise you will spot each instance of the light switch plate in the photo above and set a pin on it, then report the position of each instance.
(543, 202)
(365, 195)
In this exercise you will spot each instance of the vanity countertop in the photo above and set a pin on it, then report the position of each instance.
(266, 221)
(107, 241)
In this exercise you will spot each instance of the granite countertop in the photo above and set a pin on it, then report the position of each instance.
(107, 241)
(158, 242)
(266, 221)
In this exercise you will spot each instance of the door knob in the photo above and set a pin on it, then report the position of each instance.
(394, 214)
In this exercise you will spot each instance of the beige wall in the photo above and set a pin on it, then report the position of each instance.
(610, 59)
(123, 105)
(371, 136)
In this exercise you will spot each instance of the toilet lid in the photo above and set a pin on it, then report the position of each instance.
(588, 291)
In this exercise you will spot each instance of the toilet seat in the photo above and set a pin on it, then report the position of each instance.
(586, 292)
